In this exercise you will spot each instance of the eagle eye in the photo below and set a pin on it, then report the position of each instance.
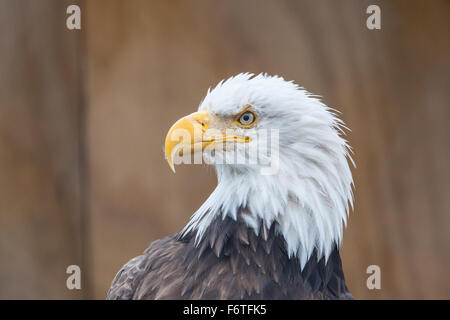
(247, 118)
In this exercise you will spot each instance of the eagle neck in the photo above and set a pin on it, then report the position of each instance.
(297, 208)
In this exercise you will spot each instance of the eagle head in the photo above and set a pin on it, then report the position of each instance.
(280, 157)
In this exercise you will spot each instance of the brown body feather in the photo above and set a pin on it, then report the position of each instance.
(230, 262)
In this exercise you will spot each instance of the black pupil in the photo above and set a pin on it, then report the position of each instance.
(246, 117)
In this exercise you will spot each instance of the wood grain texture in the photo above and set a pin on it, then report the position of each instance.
(147, 63)
(40, 187)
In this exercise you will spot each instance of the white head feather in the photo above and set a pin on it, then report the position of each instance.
(310, 194)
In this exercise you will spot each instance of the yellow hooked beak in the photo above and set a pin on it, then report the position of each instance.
(190, 134)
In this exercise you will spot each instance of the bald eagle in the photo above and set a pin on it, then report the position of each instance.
(273, 226)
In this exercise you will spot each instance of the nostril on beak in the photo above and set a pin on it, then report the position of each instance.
(202, 124)
(200, 119)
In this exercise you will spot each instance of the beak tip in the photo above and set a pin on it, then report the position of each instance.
(186, 125)
(171, 165)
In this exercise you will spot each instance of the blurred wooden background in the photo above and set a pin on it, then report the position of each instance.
(83, 115)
